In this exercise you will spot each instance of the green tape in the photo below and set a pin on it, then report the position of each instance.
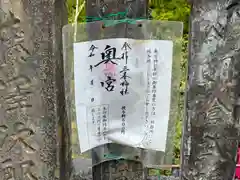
(114, 22)
(112, 156)
(107, 19)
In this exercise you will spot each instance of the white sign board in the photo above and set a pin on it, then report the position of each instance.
(123, 92)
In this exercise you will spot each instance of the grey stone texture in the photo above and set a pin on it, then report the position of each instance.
(210, 137)
(31, 78)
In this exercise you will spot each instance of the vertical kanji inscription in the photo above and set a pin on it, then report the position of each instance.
(30, 41)
(16, 91)
(209, 139)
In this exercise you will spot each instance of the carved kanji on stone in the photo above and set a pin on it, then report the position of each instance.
(17, 134)
(30, 89)
(9, 170)
(19, 91)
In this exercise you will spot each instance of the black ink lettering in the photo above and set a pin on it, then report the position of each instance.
(108, 56)
(124, 71)
(123, 120)
(150, 77)
(92, 48)
(124, 91)
(124, 83)
(104, 122)
(98, 123)
(91, 68)
(125, 47)
(93, 115)
(109, 82)
(91, 82)
(149, 56)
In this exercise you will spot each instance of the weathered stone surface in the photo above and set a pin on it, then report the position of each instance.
(84, 172)
(211, 137)
(31, 112)
(134, 8)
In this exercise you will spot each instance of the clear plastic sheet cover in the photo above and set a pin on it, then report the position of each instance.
(142, 30)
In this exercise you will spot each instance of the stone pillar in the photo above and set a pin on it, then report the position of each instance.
(210, 136)
(114, 169)
(31, 91)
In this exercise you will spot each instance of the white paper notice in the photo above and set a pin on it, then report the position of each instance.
(122, 92)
